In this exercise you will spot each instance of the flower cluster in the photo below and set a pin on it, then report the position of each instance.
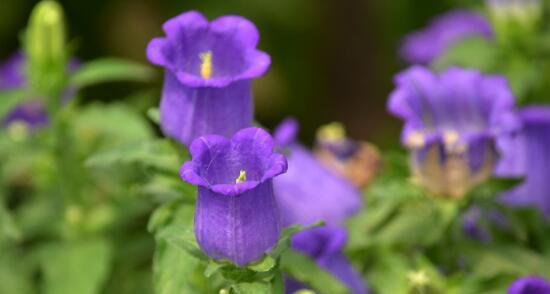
(309, 193)
(461, 128)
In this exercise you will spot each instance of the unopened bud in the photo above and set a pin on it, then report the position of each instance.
(45, 43)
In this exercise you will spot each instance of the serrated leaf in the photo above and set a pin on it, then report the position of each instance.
(75, 267)
(305, 270)
(109, 70)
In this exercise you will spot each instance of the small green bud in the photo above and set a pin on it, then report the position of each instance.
(45, 46)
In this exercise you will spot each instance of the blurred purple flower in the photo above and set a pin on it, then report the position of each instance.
(236, 217)
(530, 285)
(209, 71)
(424, 46)
(526, 154)
(472, 224)
(356, 161)
(453, 125)
(11, 72)
(325, 245)
(12, 77)
(32, 113)
(308, 192)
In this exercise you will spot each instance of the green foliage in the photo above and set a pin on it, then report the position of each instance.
(109, 70)
(303, 269)
(75, 267)
(471, 53)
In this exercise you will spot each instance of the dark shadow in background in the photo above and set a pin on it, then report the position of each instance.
(332, 59)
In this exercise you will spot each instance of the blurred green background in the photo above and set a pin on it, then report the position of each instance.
(332, 59)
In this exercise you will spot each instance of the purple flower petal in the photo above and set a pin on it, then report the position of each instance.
(454, 124)
(218, 161)
(32, 113)
(209, 68)
(286, 132)
(231, 39)
(530, 285)
(11, 72)
(236, 217)
(241, 228)
(426, 45)
(309, 193)
(528, 156)
(325, 246)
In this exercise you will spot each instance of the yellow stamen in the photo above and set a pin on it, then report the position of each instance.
(206, 65)
(416, 140)
(241, 178)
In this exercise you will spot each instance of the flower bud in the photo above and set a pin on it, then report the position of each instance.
(46, 47)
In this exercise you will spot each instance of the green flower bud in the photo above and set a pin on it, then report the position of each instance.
(46, 47)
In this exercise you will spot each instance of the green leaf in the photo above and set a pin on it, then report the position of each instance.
(157, 154)
(184, 239)
(494, 187)
(15, 272)
(154, 115)
(264, 265)
(111, 124)
(492, 260)
(8, 229)
(75, 267)
(389, 275)
(360, 226)
(305, 270)
(109, 70)
(175, 269)
(471, 53)
(251, 288)
(10, 99)
(212, 268)
(419, 223)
